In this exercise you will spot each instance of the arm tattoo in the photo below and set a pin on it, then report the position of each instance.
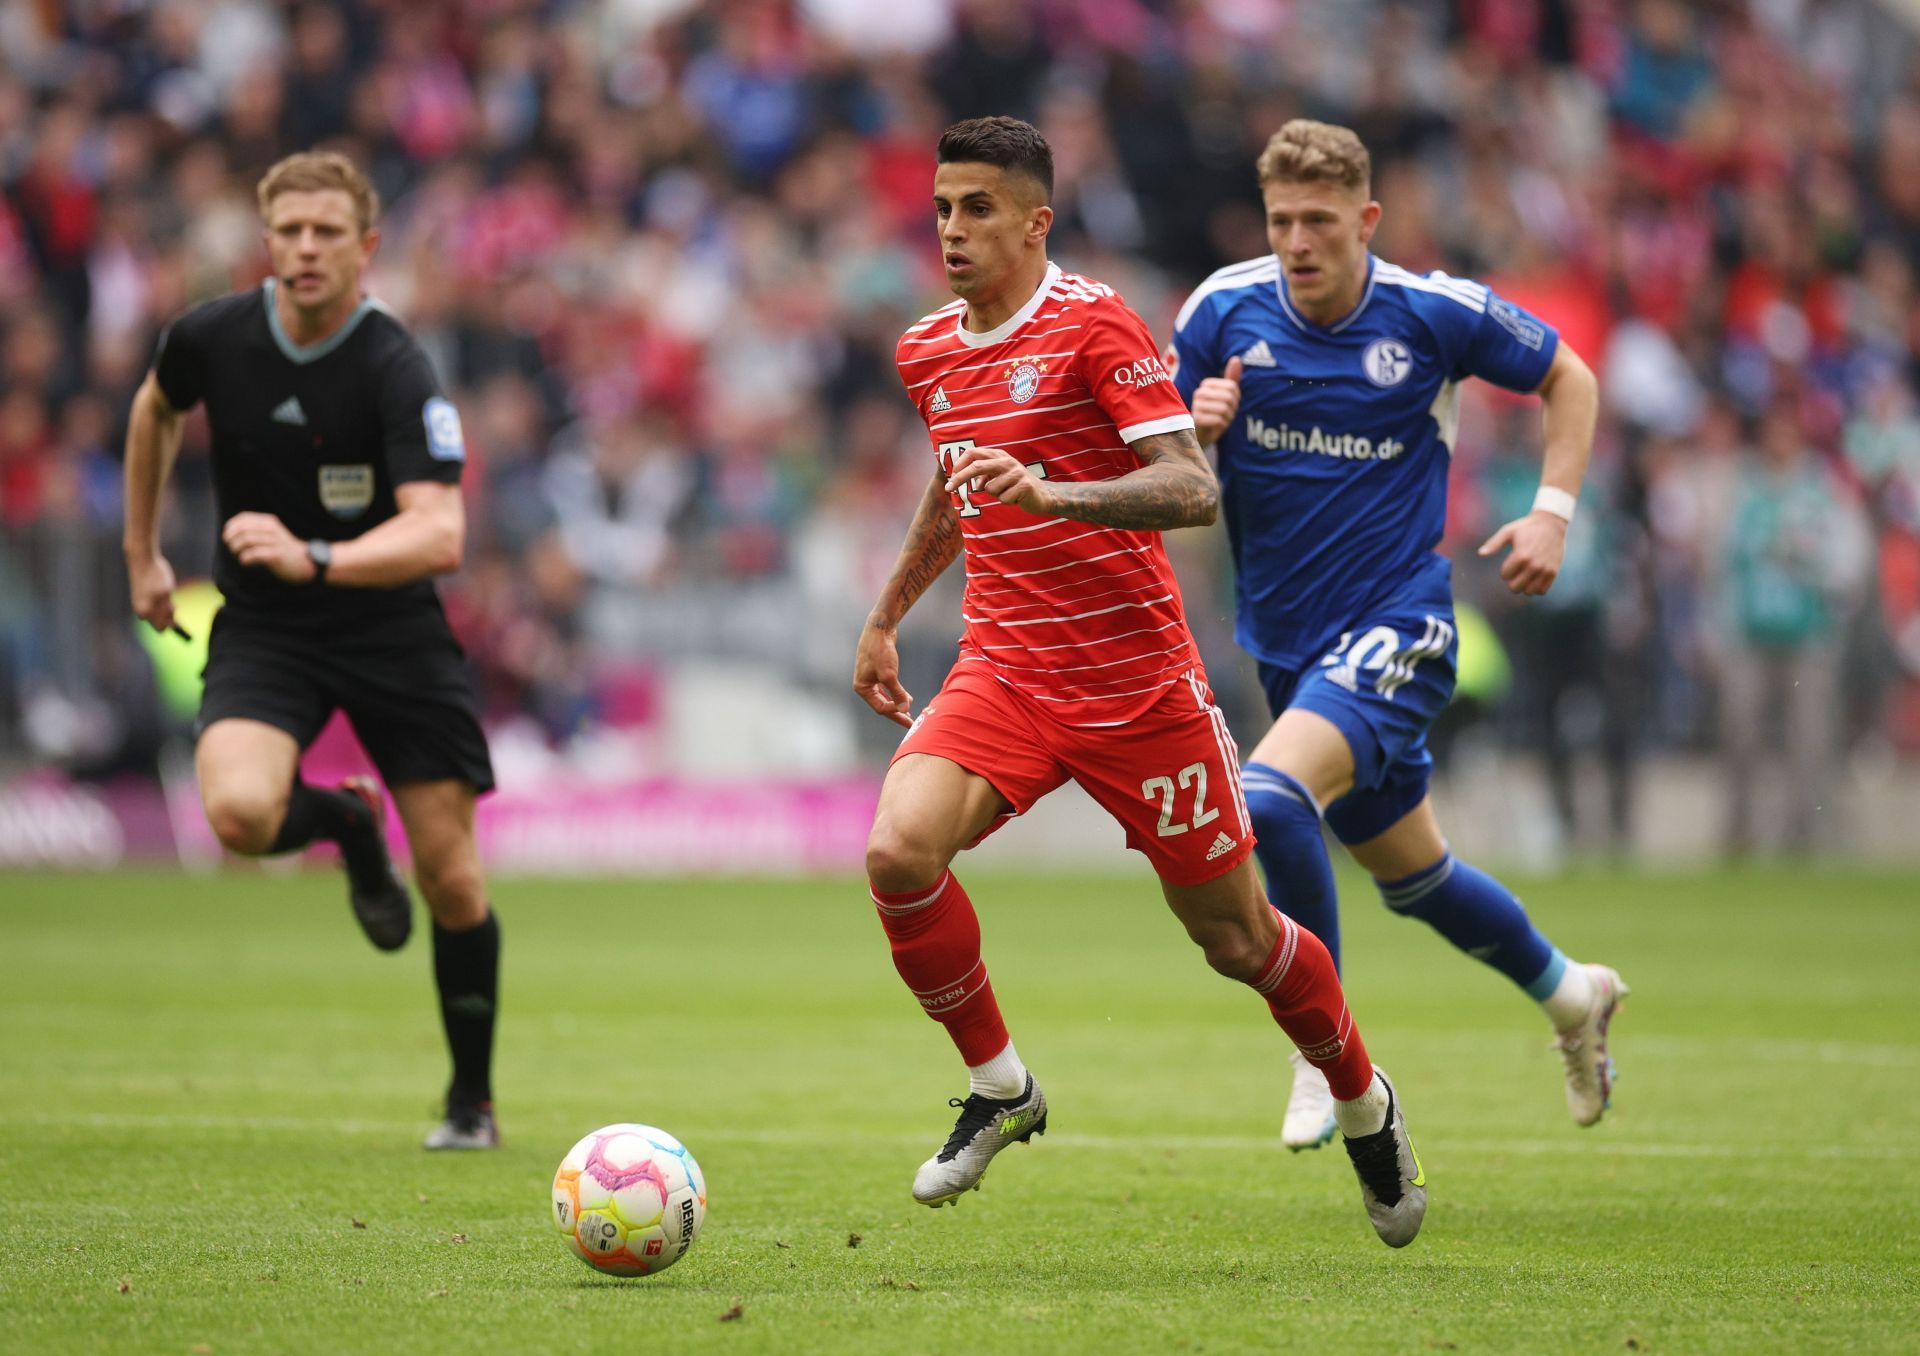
(932, 544)
(1174, 487)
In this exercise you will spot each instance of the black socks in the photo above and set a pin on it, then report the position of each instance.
(466, 966)
(315, 813)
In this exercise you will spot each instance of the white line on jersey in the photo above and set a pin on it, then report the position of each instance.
(1073, 616)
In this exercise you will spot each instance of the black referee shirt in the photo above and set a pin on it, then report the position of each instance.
(317, 436)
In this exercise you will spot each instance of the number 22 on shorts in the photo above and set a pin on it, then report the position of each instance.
(1164, 788)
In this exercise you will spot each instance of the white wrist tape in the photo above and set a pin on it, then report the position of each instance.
(1557, 502)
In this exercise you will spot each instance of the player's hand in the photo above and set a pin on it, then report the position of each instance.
(262, 539)
(876, 675)
(150, 582)
(1215, 401)
(996, 471)
(1538, 540)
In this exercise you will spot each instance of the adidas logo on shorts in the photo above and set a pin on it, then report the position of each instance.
(940, 403)
(1222, 845)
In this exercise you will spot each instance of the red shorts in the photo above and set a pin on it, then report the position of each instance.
(1171, 776)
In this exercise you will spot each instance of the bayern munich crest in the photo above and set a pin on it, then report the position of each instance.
(1023, 381)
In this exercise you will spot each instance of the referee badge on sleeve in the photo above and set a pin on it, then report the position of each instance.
(444, 439)
(346, 491)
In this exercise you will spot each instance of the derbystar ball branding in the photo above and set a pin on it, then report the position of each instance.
(1316, 440)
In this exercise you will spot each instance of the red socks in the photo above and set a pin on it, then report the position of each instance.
(936, 948)
(1303, 990)
(935, 936)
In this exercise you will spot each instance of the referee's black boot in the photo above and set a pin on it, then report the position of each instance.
(380, 898)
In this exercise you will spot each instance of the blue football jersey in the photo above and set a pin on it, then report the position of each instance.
(1334, 471)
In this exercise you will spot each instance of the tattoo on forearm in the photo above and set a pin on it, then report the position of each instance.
(932, 544)
(1174, 487)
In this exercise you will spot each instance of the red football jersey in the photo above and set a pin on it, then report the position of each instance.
(1084, 618)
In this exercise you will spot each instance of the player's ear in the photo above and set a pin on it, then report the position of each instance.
(370, 241)
(1369, 220)
(1040, 223)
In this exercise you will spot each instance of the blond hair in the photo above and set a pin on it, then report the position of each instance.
(316, 172)
(1305, 151)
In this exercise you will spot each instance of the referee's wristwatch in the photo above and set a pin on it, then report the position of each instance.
(320, 552)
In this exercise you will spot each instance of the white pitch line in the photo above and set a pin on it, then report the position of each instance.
(1587, 1146)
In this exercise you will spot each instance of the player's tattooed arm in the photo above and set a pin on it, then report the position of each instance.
(1174, 487)
(933, 543)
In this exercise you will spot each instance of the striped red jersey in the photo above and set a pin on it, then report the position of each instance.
(1084, 618)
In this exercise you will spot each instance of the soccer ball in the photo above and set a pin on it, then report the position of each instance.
(629, 1200)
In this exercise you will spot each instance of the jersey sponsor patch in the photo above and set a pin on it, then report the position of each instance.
(1518, 323)
(1387, 362)
(346, 491)
(444, 439)
(1142, 372)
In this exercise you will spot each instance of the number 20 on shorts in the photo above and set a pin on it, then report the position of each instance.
(1164, 789)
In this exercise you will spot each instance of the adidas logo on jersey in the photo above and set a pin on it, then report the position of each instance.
(940, 403)
(1222, 845)
(1259, 356)
(288, 411)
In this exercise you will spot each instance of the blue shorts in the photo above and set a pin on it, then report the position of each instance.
(1383, 683)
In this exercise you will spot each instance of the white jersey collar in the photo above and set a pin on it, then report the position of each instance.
(1013, 322)
(1280, 287)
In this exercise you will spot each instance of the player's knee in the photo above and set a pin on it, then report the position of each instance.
(245, 821)
(1235, 953)
(455, 891)
(901, 860)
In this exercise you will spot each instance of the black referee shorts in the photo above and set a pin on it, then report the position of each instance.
(405, 685)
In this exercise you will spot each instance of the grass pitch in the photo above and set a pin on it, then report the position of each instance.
(211, 1093)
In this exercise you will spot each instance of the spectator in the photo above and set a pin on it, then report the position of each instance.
(1793, 564)
(661, 250)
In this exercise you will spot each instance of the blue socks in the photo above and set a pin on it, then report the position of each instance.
(1465, 905)
(1293, 854)
(1480, 916)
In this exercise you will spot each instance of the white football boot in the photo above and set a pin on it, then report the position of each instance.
(1309, 1122)
(1392, 1182)
(1583, 1049)
(985, 1127)
(468, 1125)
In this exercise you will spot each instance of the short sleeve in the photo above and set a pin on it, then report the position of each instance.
(1193, 344)
(180, 360)
(419, 426)
(1507, 346)
(1121, 366)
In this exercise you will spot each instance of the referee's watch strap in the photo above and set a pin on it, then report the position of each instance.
(320, 552)
(1557, 502)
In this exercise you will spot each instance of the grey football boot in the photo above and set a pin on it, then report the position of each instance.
(985, 1127)
(1392, 1182)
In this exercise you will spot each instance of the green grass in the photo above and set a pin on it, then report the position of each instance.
(204, 1083)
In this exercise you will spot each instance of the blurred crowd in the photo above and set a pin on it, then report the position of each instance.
(660, 251)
